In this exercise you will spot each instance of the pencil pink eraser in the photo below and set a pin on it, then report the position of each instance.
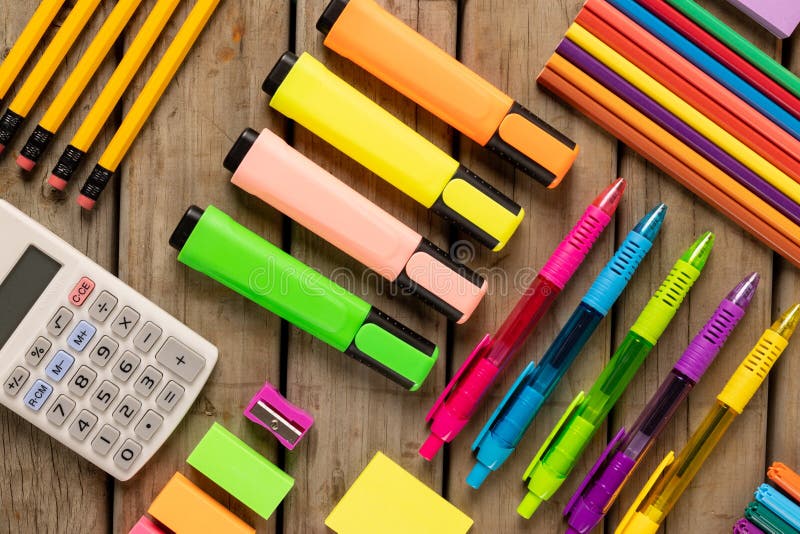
(57, 182)
(146, 526)
(86, 202)
(25, 163)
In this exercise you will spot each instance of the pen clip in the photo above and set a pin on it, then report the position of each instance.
(485, 342)
(273, 411)
(626, 519)
(570, 410)
(593, 471)
(512, 390)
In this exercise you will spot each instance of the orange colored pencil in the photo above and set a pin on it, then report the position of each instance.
(674, 157)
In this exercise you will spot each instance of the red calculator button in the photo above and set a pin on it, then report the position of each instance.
(81, 291)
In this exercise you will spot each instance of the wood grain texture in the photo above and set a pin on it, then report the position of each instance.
(507, 42)
(38, 472)
(358, 412)
(177, 161)
(725, 484)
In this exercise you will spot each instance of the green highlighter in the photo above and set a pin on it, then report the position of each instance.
(561, 450)
(232, 465)
(213, 243)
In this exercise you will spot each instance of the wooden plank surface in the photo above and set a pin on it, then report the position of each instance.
(178, 161)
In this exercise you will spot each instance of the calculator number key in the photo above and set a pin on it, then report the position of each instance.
(81, 336)
(169, 396)
(38, 395)
(82, 425)
(82, 381)
(149, 424)
(180, 359)
(15, 381)
(59, 322)
(125, 321)
(60, 410)
(59, 366)
(126, 365)
(104, 395)
(127, 410)
(147, 381)
(147, 337)
(127, 454)
(81, 291)
(103, 351)
(102, 306)
(105, 439)
(38, 351)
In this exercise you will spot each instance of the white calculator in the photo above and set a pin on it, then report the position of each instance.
(86, 358)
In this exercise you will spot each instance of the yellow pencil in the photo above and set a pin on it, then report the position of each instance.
(26, 43)
(111, 94)
(684, 111)
(146, 102)
(68, 95)
(44, 69)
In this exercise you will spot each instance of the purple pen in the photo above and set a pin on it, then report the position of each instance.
(600, 488)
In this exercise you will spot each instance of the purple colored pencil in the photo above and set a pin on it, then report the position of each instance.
(743, 526)
(636, 98)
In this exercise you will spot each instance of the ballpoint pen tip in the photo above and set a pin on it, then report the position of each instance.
(697, 255)
(650, 224)
(785, 326)
(609, 199)
(743, 293)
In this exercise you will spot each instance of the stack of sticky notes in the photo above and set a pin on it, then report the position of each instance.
(695, 98)
(772, 512)
(387, 499)
(781, 17)
(182, 507)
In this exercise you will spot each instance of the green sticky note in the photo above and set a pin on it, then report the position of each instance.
(387, 499)
(238, 469)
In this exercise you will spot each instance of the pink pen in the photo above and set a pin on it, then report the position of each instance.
(284, 420)
(462, 396)
(268, 168)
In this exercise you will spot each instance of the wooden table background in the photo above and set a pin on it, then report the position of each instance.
(178, 161)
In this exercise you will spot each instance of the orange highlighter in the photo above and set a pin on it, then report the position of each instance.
(374, 39)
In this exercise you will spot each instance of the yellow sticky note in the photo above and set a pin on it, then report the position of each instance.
(388, 499)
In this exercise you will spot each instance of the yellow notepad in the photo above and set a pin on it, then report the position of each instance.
(388, 499)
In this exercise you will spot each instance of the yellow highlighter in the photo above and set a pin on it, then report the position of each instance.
(310, 94)
(111, 94)
(26, 43)
(44, 69)
(673, 476)
(68, 95)
(678, 107)
(146, 102)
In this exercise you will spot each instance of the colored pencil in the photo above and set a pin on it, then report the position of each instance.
(698, 89)
(659, 147)
(602, 74)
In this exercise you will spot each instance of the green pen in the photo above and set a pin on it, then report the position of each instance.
(560, 452)
(213, 243)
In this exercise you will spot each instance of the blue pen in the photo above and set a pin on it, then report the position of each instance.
(776, 501)
(509, 422)
(711, 66)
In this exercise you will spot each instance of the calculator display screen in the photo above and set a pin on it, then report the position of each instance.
(22, 288)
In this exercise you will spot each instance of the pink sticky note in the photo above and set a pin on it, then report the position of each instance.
(146, 526)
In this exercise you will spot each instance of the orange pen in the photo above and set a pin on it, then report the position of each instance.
(366, 34)
(788, 480)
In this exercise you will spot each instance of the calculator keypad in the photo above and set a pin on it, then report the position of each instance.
(104, 373)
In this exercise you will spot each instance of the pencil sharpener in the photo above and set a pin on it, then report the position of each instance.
(281, 418)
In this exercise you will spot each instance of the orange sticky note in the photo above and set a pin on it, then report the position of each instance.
(186, 509)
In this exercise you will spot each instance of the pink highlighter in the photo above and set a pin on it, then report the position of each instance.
(265, 166)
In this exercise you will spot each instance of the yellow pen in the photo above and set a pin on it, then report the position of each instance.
(146, 102)
(111, 94)
(26, 43)
(678, 107)
(44, 69)
(68, 95)
(673, 476)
